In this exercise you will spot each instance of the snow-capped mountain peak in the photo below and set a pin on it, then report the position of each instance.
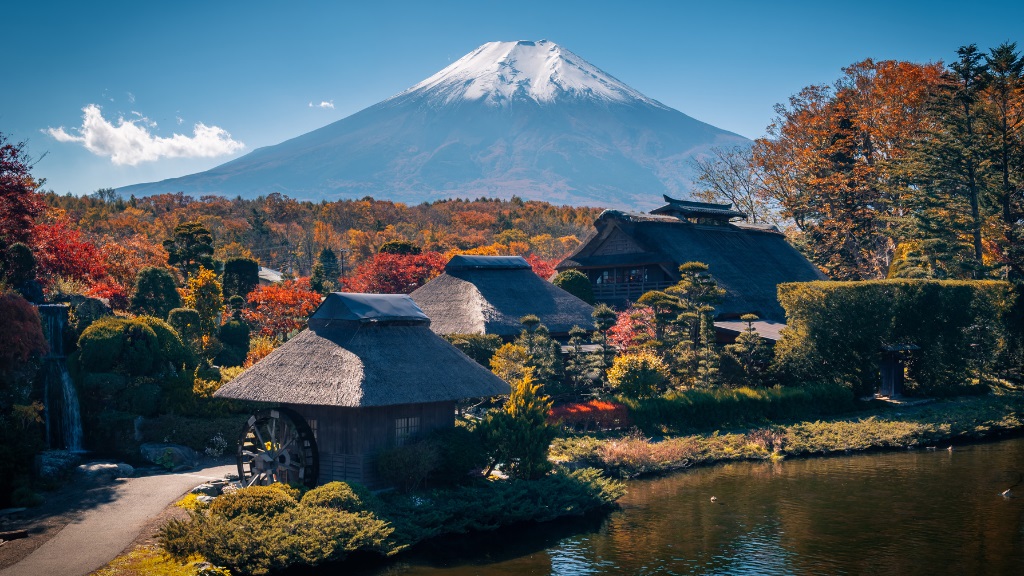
(502, 72)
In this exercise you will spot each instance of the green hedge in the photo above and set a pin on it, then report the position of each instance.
(836, 329)
(705, 409)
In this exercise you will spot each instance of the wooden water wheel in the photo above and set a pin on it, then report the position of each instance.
(277, 445)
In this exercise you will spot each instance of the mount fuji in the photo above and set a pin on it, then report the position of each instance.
(530, 119)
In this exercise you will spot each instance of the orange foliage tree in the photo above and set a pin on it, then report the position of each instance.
(395, 273)
(279, 309)
(832, 162)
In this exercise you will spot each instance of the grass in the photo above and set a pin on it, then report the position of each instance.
(632, 455)
(152, 561)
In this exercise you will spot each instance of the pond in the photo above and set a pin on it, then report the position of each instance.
(912, 512)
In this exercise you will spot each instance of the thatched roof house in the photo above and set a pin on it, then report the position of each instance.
(366, 375)
(489, 294)
(632, 253)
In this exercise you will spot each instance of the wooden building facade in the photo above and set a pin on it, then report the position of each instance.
(632, 253)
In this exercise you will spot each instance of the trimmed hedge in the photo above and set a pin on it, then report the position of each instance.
(705, 409)
(836, 330)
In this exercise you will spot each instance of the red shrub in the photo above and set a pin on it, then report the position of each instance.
(600, 414)
(114, 293)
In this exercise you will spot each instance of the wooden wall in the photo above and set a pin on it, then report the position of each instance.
(348, 439)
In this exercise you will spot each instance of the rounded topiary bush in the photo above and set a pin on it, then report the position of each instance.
(101, 344)
(638, 374)
(263, 501)
(140, 348)
(338, 496)
(576, 283)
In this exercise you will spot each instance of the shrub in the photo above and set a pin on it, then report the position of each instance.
(196, 433)
(262, 501)
(836, 329)
(338, 496)
(716, 408)
(638, 374)
(598, 414)
(407, 467)
(479, 347)
(186, 323)
(155, 293)
(172, 348)
(576, 283)
(100, 345)
(517, 436)
(459, 452)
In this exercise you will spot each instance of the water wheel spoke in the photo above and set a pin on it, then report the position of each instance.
(277, 445)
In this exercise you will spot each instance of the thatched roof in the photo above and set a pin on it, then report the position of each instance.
(489, 294)
(748, 261)
(365, 350)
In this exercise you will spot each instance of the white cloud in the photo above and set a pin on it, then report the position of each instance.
(323, 104)
(131, 98)
(129, 143)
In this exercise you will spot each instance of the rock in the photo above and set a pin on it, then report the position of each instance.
(12, 511)
(231, 477)
(209, 489)
(204, 499)
(229, 489)
(125, 470)
(100, 472)
(53, 465)
(174, 457)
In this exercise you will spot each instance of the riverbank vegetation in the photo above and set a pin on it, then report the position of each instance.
(933, 425)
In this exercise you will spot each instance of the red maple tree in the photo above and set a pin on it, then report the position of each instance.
(19, 202)
(276, 310)
(62, 251)
(395, 273)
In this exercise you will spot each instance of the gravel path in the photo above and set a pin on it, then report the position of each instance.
(100, 533)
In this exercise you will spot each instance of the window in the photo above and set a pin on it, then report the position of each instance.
(406, 428)
(312, 426)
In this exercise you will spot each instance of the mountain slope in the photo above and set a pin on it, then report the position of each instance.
(510, 118)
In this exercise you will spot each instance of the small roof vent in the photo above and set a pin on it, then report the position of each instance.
(487, 263)
(350, 307)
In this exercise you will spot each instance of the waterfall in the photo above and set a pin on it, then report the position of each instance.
(70, 416)
(54, 317)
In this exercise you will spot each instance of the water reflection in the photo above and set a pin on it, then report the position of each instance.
(919, 512)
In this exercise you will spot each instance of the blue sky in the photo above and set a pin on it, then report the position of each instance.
(249, 71)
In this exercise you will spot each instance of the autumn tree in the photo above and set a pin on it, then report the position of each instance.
(62, 251)
(730, 175)
(190, 249)
(279, 309)
(124, 257)
(203, 294)
(640, 374)
(833, 160)
(395, 273)
(19, 202)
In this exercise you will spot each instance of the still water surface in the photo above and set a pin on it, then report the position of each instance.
(915, 512)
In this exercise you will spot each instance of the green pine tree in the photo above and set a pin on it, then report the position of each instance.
(517, 437)
(190, 249)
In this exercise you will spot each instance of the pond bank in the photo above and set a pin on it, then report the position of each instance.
(932, 425)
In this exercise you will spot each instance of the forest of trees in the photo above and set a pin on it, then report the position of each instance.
(896, 169)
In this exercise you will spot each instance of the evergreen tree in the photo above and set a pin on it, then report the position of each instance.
(543, 352)
(1005, 98)
(155, 293)
(708, 361)
(518, 436)
(580, 365)
(748, 357)
(953, 168)
(318, 281)
(241, 276)
(604, 318)
(190, 249)
(328, 260)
